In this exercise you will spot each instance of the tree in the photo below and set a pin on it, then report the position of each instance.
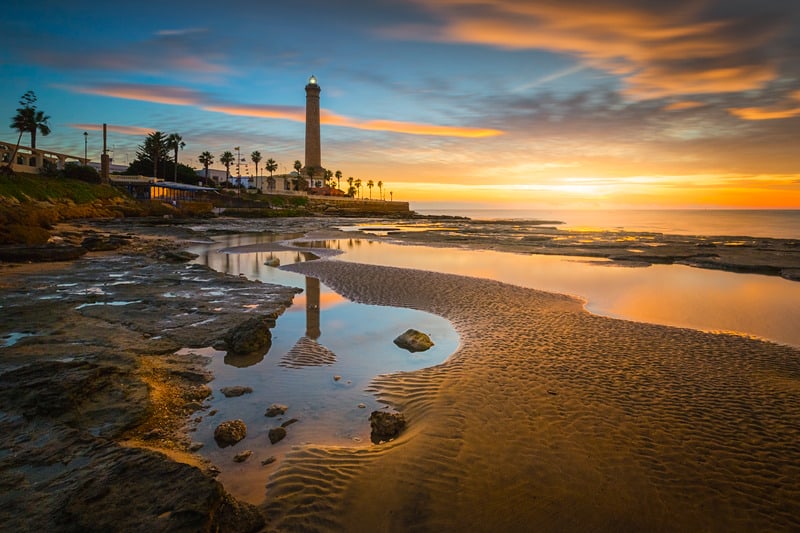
(370, 185)
(380, 189)
(175, 142)
(358, 186)
(297, 166)
(27, 120)
(256, 158)
(154, 149)
(271, 167)
(350, 188)
(226, 159)
(34, 119)
(206, 159)
(338, 175)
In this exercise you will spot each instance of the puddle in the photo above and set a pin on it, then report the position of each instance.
(110, 304)
(325, 352)
(10, 339)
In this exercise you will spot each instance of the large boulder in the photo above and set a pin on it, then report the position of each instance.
(230, 432)
(414, 341)
(385, 426)
(251, 336)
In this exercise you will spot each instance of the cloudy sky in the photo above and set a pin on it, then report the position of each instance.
(522, 103)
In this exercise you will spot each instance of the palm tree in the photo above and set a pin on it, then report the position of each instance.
(226, 159)
(256, 158)
(297, 166)
(370, 185)
(175, 142)
(350, 188)
(36, 120)
(271, 167)
(380, 189)
(338, 175)
(358, 186)
(206, 159)
(29, 120)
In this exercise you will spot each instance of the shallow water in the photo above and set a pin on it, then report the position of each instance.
(329, 410)
(675, 295)
(774, 223)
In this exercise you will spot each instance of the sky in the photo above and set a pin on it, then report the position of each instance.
(450, 103)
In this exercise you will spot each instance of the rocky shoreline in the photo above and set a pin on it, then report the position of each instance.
(93, 432)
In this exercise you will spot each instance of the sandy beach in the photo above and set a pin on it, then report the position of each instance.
(546, 417)
(549, 418)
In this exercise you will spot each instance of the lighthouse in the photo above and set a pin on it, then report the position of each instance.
(313, 149)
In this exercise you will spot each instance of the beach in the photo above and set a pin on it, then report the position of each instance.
(552, 419)
(546, 417)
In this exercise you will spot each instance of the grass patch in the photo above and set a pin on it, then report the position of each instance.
(25, 187)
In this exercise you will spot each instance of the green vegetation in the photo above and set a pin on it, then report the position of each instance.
(26, 187)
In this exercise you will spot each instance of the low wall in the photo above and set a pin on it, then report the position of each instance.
(339, 205)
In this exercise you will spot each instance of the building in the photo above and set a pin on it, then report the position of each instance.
(33, 161)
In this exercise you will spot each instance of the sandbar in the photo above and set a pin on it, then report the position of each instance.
(550, 418)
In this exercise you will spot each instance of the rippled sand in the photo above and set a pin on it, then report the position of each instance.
(549, 418)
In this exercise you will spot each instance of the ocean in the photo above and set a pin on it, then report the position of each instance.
(780, 224)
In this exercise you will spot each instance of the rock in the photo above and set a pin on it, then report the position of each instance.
(178, 256)
(99, 243)
(242, 456)
(792, 274)
(36, 254)
(273, 262)
(414, 341)
(385, 426)
(362, 406)
(195, 446)
(269, 460)
(275, 409)
(238, 390)
(230, 432)
(337, 378)
(251, 336)
(141, 490)
(289, 422)
(276, 434)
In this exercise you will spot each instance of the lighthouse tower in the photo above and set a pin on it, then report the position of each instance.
(313, 149)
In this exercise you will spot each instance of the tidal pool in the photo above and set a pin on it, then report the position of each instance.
(325, 352)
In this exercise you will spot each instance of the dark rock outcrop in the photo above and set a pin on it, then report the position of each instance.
(385, 426)
(238, 390)
(167, 496)
(230, 432)
(38, 254)
(251, 336)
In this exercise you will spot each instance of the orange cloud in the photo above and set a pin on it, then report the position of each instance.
(143, 93)
(187, 97)
(124, 130)
(681, 106)
(655, 51)
(410, 128)
(784, 110)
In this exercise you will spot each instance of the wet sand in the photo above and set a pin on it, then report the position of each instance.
(550, 418)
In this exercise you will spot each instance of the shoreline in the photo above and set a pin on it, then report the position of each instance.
(572, 420)
(545, 414)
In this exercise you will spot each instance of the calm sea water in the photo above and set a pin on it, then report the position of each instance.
(782, 224)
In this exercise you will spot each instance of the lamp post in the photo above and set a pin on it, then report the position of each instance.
(85, 148)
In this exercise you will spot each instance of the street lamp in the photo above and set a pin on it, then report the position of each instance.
(85, 148)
